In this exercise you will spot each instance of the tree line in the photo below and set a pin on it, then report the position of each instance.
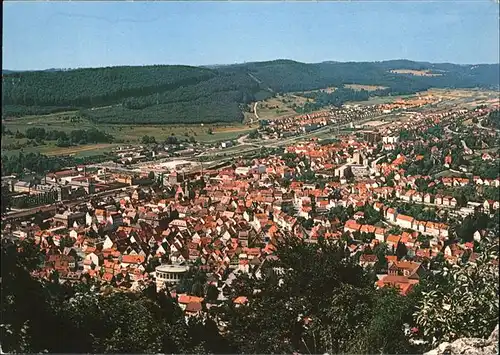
(337, 98)
(40, 164)
(27, 201)
(78, 136)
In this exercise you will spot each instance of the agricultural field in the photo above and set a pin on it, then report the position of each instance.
(122, 133)
(469, 98)
(358, 87)
(415, 72)
(328, 90)
(279, 106)
(378, 100)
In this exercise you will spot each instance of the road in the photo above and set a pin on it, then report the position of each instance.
(447, 129)
(480, 126)
(255, 110)
(466, 148)
(241, 140)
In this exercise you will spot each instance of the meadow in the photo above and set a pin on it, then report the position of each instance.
(122, 133)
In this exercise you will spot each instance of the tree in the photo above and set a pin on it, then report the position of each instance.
(254, 134)
(461, 301)
(320, 291)
(380, 250)
(212, 294)
(63, 143)
(384, 334)
(172, 140)
(401, 250)
(148, 139)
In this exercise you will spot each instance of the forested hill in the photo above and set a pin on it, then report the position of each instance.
(174, 94)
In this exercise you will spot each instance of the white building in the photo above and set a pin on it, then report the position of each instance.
(166, 274)
(242, 170)
(390, 139)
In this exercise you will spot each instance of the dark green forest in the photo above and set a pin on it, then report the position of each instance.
(337, 98)
(183, 94)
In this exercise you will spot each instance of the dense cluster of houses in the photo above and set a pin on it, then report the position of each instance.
(228, 221)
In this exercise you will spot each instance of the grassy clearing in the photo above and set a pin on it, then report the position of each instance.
(358, 87)
(52, 150)
(81, 150)
(377, 100)
(328, 90)
(415, 72)
(469, 98)
(280, 106)
(123, 133)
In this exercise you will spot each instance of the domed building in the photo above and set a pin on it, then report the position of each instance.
(169, 274)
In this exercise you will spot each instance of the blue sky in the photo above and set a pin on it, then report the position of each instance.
(41, 35)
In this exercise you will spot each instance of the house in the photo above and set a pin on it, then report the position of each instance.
(91, 261)
(393, 240)
(358, 215)
(405, 221)
(377, 206)
(367, 228)
(226, 144)
(490, 205)
(391, 214)
(417, 197)
(432, 228)
(410, 269)
(190, 304)
(486, 156)
(477, 236)
(352, 226)
(366, 260)
(380, 234)
(408, 196)
(403, 283)
(240, 301)
(419, 226)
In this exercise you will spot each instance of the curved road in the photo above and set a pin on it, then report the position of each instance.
(255, 110)
(479, 125)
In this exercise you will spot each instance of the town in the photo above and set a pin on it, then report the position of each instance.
(401, 189)
(250, 178)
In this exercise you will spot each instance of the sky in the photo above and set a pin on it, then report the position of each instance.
(42, 35)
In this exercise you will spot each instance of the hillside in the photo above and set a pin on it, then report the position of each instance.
(183, 94)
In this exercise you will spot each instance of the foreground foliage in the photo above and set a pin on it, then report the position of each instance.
(461, 301)
(313, 299)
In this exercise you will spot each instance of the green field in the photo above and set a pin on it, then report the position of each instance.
(378, 100)
(122, 133)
